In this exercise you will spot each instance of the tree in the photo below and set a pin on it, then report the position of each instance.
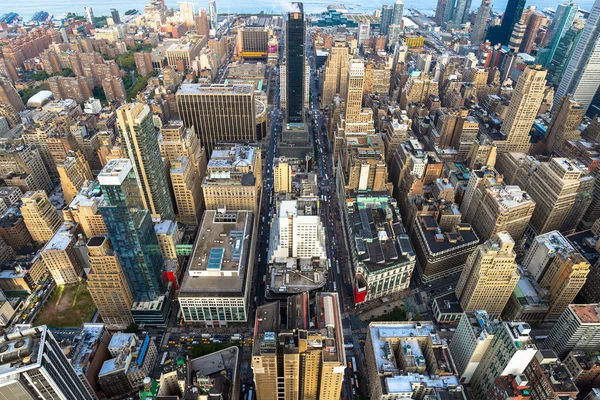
(132, 328)
(99, 94)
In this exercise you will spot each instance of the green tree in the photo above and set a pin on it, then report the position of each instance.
(202, 349)
(397, 314)
(99, 94)
(132, 328)
(28, 93)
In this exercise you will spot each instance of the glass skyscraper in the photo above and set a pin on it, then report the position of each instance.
(387, 12)
(512, 15)
(130, 230)
(561, 23)
(295, 36)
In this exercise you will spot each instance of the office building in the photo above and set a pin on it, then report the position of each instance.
(215, 290)
(473, 336)
(297, 231)
(358, 120)
(73, 173)
(560, 25)
(398, 11)
(114, 13)
(13, 229)
(187, 190)
(509, 352)
(385, 20)
(295, 56)
(481, 21)
(335, 72)
(495, 207)
(214, 17)
(522, 110)
(136, 126)
(133, 361)
(253, 42)
(168, 236)
(529, 301)
(218, 112)
(553, 186)
(215, 373)
(549, 378)
(299, 360)
(582, 74)
(365, 170)
(559, 268)
(408, 360)
(578, 328)
(516, 37)
(89, 15)
(25, 161)
(562, 56)
(34, 367)
(40, 216)
(381, 256)
(233, 177)
(107, 284)
(512, 14)
(59, 255)
(130, 230)
(440, 11)
(182, 52)
(564, 125)
(489, 276)
(461, 13)
(584, 368)
(186, 14)
(84, 210)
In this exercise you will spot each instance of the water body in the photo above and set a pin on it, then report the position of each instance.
(102, 7)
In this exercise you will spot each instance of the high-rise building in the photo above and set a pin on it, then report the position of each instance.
(358, 120)
(366, 170)
(299, 361)
(516, 37)
(186, 13)
(495, 207)
(582, 75)
(531, 33)
(130, 230)
(295, 36)
(522, 110)
(89, 15)
(35, 367)
(214, 17)
(9, 95)
(59, 255)
(114, 13)
(481, 21)
(548, 378)
(73, 173)
(107, 284)
(578, 328)
(187, 189)
(202, 23)
(462, 11)
(510, 352)
(218, 112)
(512, 14)
(114, 89)
(27, 162)
(564, 52)
(561, 23)
(440, 10)
(136, 126)
(473, 336)
(383, 264)
(40, 216)
(584, 368)
(215, 290)
(335, 73)
(297, 231)
(387, 13)
(398, 11)
(233, 177)
(564, 125)
(489, 276)
(558, 268)
(84, 210)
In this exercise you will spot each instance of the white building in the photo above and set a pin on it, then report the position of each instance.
(578, 328)
(543, 250)
(297, 231)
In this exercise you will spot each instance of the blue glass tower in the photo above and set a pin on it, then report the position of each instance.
(561, 23)
(130, 230)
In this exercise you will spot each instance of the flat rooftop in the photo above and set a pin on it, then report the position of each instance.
(219, 262)
(22, 350)
(587, 313)
(216, 89)
(62, 238)
(84, 344)
(448, 303)
(439, 242)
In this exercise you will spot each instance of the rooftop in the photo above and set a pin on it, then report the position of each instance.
(404, 383)
(62, 238)
(166, 227)
(215, 89)
(587, 313)
(115, 172)
(84, 344)
(448, 303)
(510, 196)
(463, 236)
(528, 291)
(219, 262)
(22, 350)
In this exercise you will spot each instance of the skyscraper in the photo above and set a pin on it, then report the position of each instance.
(512, 15)
(480, 26)
(440, 11)
(114, 13)
(107, 284)
(218, 112)
(578, 328)
(335, 74)
(461, 12)
(489, 276)
(299, 361)
(186, 13)
(89, 14)
(561, 23)
(523, 108)
(564, 125)
(398, 11)
(582, 75)
(214, 17)
(295, 36)
(387, 12)
(34, 364)
(40, 216)
(130, 230)
(562, 55)
(136, 126)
